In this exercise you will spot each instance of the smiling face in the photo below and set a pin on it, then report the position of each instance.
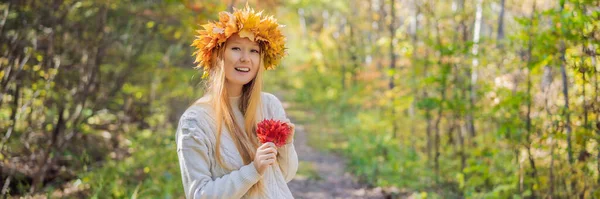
(241, 60)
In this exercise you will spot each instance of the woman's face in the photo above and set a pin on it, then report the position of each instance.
(241, 60)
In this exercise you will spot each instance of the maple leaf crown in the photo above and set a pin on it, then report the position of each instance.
(248, 24)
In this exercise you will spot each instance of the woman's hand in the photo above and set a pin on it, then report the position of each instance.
(265, 156)
(290, 137)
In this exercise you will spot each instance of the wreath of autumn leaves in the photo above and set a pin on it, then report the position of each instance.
(248, 24)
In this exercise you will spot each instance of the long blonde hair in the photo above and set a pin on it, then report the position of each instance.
(245, 140)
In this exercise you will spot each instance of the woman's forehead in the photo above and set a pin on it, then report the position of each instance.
(235, 38)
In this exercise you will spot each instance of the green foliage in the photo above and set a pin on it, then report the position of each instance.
(151, 170)
(96, 88)
(390, 135)
(81, 80)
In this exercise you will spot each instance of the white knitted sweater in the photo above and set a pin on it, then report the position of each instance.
(201, 174)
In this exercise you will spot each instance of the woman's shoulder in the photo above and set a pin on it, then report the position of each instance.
(273, 106)
(198, 114)
(201, 107)
(196, 111)
(196, 123)
(269, 98)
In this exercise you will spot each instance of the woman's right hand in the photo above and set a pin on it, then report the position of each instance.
(266, 155)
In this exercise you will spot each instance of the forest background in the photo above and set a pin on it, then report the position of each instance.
(449, 99)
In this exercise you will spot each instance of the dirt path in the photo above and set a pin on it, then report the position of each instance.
(329, 179)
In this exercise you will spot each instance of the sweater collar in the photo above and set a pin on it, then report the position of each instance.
(235, 101)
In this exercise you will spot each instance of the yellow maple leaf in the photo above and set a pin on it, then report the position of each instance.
(247, 34)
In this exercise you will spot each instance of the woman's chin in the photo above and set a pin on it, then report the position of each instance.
(240, 82)
(243, 80)
(240, 79)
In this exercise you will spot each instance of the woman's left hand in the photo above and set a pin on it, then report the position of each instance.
(290, 137)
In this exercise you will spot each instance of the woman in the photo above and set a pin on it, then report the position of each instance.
(219, 153)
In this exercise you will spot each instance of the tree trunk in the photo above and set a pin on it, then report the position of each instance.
(551, 178)
(596, 99)
(392, 29)
(520, 171)
(428, 132)
(500, 35)
(230, 6)
(565, 82)
(43, 164)
(445, 70)
(533, 173)
(473, 71)
(302, 21)
(15, 76)
(3, 22)
(381, 29)
(13, 117)
(428, 117)
(528, 126)
(586, 125)
(342, 64)
(414, 87)
(354, 54)
(566, 112)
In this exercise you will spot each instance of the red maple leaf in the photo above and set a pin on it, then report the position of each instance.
(273, 131)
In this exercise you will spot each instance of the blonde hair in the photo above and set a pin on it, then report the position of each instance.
(245, 139)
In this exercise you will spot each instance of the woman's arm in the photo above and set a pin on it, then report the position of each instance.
(195, 161)
(287, 158)
(288, 161)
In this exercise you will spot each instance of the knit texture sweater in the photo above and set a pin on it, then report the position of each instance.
(203, 177)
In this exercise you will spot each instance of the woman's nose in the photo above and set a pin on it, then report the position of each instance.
(244, 57)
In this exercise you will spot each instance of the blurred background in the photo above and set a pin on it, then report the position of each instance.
(441, 99)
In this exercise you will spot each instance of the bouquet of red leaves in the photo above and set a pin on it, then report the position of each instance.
(273, 131)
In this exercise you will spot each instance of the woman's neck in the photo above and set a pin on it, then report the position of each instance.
(233, 90)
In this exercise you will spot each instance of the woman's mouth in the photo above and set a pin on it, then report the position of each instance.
(242, 69)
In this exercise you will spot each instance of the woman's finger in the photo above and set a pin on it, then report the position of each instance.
(270, 158)
(270, 150)
(269, 162)
(264, 157)
(267, 151)
(266, 160)
(263, 146)
(267, 156)
(266, 145)
(270, 154)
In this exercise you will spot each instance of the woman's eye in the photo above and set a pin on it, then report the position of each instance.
(235, 48)
(255, 51)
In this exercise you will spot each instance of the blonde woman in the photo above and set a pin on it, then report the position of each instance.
(219, 153)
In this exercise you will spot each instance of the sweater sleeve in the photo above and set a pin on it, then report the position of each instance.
(287, 158)
(288, 161)
(195, 159)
